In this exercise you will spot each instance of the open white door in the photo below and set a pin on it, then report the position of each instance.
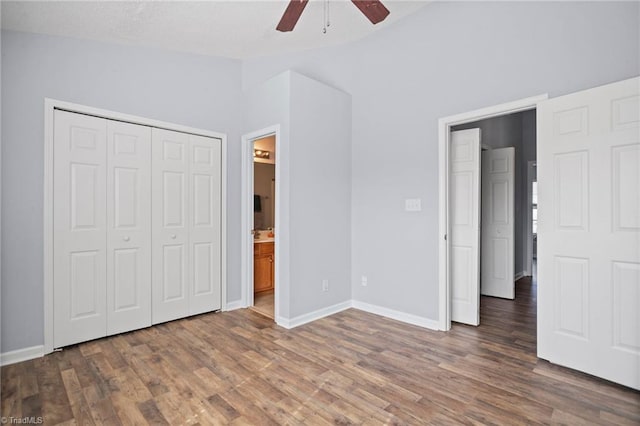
(588, 231)
(497, 271)
(464, 226)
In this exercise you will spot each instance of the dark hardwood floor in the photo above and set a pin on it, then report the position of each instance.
(352, 368)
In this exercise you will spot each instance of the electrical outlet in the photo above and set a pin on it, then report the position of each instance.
(325, 285)
(364, 281)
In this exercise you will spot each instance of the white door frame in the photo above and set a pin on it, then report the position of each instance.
(52, 104)
(444, 132)
(247, 217)
(531, 165)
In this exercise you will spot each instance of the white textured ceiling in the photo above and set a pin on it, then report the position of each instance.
(235, 29)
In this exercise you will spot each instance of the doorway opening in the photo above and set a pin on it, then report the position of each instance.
(508, 146)
(264, 189)
(260, 212)
(463, 266)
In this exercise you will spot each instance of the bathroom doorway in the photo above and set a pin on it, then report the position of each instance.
(264, 207)
(260, 219)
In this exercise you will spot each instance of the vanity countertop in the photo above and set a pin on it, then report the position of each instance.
(264, 240)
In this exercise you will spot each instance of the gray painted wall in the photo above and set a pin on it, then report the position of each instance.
(314, 158)
(265, 105)
(320, 190)
(198, 91)
(448, 58)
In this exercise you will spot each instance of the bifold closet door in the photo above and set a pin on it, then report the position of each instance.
(79, 221)
(186, 224)
(170, 273)
(205, 223)
(128, 227)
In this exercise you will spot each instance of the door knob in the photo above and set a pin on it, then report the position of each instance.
(126, 238)
(173, 236)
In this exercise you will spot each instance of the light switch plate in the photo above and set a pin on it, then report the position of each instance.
(413, 204)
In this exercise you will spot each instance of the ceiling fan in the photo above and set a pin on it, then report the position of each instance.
(374, 10)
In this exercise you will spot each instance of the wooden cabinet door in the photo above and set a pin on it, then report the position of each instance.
(262, 272)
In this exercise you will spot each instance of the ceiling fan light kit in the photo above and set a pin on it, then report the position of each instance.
(374, 10)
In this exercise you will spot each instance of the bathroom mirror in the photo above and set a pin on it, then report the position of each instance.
(264, 179)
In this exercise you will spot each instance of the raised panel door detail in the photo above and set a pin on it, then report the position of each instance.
(500, 256)
(588, 281)
(124, 144)
(84, 284)
(625, 113)
(129, 227)
(79, 228)
(126, 284)
(83, 196)
(499, 165)
(572, 122)
(462, 195)
(204, 211)
(626, 187)
(173, 198)
(497, 224)
(572, 296)
(83, 138)
(571, 190)
(202, 268)
(126, 193)
(173, 150)
(462, 151)
(499, 202)
(626, 306)
(463, 223)
(460, 277)
(202, 200)
(173, 272)
(202, 155)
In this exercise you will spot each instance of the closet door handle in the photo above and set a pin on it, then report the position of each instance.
(173, 236)
(126, 238)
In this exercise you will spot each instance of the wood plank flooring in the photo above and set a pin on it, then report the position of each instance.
(263, 303)
(351, 368)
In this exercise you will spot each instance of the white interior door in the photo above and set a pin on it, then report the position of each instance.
(170, 201)
(464, 226)
(589, 231)
(498, 182)
(79, 234)
(128, 227)
(204, 234)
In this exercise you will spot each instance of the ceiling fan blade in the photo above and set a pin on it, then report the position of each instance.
(374, 10)
(291, 15)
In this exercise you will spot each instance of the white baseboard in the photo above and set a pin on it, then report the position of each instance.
(20, 355)
(520, 275)
(396, 315)
(312, 316)
(236, 304)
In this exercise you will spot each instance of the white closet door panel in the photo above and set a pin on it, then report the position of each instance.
(79, 221)
(128, 227)
(464, 220)
(497, 235)
(204, 217)
(170, 225)
(589, 231)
